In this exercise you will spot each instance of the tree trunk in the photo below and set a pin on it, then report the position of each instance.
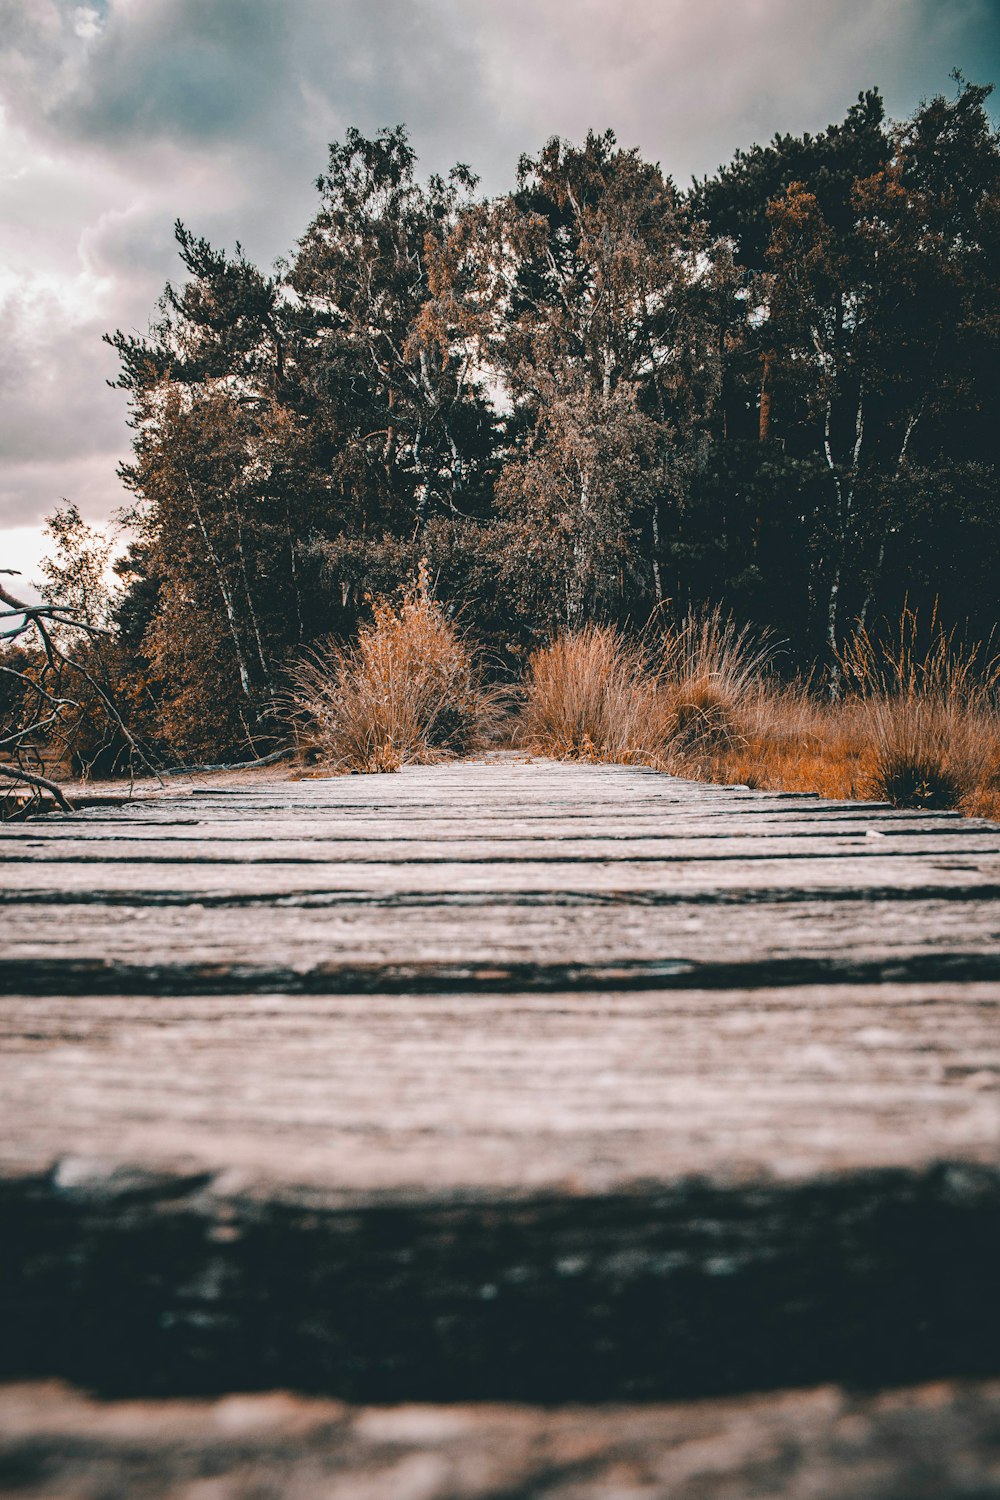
(294, 573)
(766, 395)
(227, 598)
(577, 588)
(245, 575)
(832, 640)
(875, 578)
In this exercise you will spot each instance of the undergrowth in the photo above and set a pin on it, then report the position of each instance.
(409, 690)
(590, 695)
(918, 724)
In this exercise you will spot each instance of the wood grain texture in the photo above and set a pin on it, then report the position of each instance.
(498, 1078)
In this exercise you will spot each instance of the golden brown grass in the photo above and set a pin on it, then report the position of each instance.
(599, 694)
(919, 725)
(792, 740)
(933, 714)
(407, 691)
(590, 696)
(709, 675)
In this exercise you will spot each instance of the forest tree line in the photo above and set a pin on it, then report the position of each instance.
(591, 398)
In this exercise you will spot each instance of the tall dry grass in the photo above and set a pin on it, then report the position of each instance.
(919, 724)
(589, 695)
(711, 674)
(932, 708)
(407, 691)
(600, 694)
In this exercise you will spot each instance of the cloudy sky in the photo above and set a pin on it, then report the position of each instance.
(119, 116)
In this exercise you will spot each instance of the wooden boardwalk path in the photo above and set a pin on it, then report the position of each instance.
(499, 1080)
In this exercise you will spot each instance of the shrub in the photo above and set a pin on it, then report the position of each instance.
(598, 694)
(911, 761)
(931, 713)
(408, 690)
(588, 695)
(711, 671)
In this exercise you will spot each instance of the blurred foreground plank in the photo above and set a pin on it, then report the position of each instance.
(938, 1442)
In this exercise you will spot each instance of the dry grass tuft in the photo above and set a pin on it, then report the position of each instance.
(919, 725)
(408, 691)
(710, 676)
(794, 741)
(598, 694)
(589, 696)
(933, 716)
(912, 762)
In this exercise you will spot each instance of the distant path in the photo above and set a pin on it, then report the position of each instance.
(499, 1079)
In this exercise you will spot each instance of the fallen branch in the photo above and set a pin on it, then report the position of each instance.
(41, 783)
(236, 765)
(41, 620)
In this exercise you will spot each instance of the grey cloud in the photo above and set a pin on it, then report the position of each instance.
(691, 82)
(185, 70)
(39, 60)
(30, 492)
(217, 72)
(227, 106)
(219, 111)
(54, 403)
(139, 70)
(278, 78)
(130, 245)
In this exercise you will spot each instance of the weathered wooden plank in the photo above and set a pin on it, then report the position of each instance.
(485, 813)
(543, 935)
(426, 1094)
(418, 788)
(938, 1442)
(362, 827)
(930, 873)
(205, 847)
(544, 931)
(131, 1281)
(595, 1126)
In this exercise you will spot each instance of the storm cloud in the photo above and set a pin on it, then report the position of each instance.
(118, 116)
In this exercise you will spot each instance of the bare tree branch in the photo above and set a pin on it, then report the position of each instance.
(42, 623)
(28, 778)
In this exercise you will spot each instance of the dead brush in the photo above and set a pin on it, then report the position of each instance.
(712, 675)
(932, 711)
(793, 740)
(919, 725)
(589, 696)
(601, 695)
(407, 691)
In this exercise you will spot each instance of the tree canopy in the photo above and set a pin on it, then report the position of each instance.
(590, 398)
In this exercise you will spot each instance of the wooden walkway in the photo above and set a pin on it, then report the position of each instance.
(499, 1080)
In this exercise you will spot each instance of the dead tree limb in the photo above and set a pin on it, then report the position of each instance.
(40, 624)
